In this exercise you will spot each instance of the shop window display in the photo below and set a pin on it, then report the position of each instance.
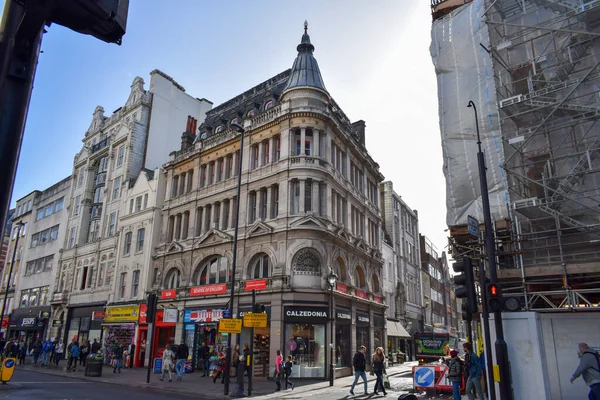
(378, 338)
(116, 335)
(362, 338)
(306, 344)
(343, 351)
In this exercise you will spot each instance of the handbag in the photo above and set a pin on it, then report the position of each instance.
(386, 381)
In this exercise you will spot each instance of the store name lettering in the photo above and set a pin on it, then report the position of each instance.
(322, 314)
(344, 316)
(363, 319)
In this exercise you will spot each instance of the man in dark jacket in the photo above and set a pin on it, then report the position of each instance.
(181, 355)
(95, 346)
(474, 367)
(118, 355)
(359, 362)
(204, 354)
(455, 373)
(589, 367)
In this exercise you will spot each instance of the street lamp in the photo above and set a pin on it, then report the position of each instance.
(331, 280)
(242, 132)
(10, 271)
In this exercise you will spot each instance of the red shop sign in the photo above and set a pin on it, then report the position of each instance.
(168, 294)
(208, 289)
(361, 293)
(377, 299)
(143, 313)
(98, 315)
(340, 287)
(257, 284)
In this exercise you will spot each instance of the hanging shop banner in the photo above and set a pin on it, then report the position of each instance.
(230, 325)
(122, 314)
(203, 315)
(362, 319)
(361, 294)
(340, 287)
(378, 299)
(206, 290)
(143, 313)
(168, 294)
(98, 315)
(306, 314)
(170, 315)
(257, 284)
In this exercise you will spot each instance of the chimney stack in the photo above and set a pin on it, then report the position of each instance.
(359, 130)
(187, 138)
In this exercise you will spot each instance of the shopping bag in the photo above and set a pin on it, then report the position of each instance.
(386, 381)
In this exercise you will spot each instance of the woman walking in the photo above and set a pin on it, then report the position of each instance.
(58, 353)
(379, 369)
(287, 368)
(167, 363)
(235, 359)
(278, 370)
(220, 365)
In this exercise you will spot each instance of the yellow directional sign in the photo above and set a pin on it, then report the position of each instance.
(255, 320)
(230, 325)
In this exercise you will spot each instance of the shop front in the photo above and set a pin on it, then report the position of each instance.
(84, 323)
(260, 339)
(343, 338)
(139, 353)
(305, 339)
(164, 330)
(202, 326)
(379, 332)
(396, 338)
(120, 323)
(30, 324)
(363, 334)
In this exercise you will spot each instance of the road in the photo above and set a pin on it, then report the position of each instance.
(34, 385)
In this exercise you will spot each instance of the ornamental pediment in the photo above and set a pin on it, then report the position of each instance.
(259, 228)
(212, 238)
(308, 221)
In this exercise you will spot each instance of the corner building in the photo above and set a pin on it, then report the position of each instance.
(309, 205)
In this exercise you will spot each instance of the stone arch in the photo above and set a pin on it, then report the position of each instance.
(340, 269)
(214, 268)
(375, 284)
(307, 261)
(260, 266)
(172, 278)
(360, 280)
(250, 257)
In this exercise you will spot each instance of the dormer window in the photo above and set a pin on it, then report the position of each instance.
(269, 104)
(250, 114)
(234, 121)
(219, 129)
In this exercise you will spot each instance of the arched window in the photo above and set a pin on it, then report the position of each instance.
(250, 114)
(213, 270)
(359, 278)
(307, 262)
(269, 104)
(341, 269)
(260, 267)
(375, 282)
(219, 129)
(173, 279)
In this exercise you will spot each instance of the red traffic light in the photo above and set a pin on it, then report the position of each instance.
(493, 290)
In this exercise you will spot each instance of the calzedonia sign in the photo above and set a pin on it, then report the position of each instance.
(306, 314)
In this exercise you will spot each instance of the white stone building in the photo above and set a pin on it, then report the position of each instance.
(116, 149)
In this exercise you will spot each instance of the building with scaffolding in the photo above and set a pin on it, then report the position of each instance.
(532, 69)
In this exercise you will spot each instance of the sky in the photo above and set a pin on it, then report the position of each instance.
(374, 59)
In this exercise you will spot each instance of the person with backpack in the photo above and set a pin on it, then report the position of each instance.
(287, 370)
(589, 368)
(73, 351)
(455, 373)
(359, 362)
(473, 376)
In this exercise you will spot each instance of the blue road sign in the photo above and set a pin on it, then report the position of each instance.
(424, 376)
(157, 365)
(473, 226)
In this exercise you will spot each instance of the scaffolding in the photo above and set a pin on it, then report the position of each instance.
(546, 69)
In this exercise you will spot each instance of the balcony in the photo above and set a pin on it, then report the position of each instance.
(100, 145)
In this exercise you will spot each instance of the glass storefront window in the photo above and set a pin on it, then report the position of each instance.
(343, 351)
(306, 344)
(378, 339)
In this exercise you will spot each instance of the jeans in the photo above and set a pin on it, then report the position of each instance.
(117, 364)
(379, 382)
(36, 357)
(594, 392)
(360, 374)
(45, 358)
(456, 390)
(472, 381)
(180, 366)
(206, 368)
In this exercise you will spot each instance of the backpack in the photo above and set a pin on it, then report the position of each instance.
(75, 351)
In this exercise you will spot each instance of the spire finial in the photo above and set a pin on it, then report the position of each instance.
(305, 26)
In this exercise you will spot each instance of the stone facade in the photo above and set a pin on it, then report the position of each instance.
(309, 206)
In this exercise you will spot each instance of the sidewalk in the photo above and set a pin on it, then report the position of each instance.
(194, 384)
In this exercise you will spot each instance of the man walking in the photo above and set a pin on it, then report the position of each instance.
(359, 362)
(205, 357)
(182, 355)
(46, 351)
(473, 364)
(73, 351)
(589, 367)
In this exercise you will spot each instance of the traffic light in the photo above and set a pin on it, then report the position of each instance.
(465, 282)
(151, 310)
(258, 308)
(494, 297)
(466, 315)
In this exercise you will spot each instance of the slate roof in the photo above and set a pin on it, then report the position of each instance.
(305, 71)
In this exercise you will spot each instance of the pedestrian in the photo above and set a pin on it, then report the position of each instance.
(247, 358)
(22, 353)
(118, 357)
(455, 373)
(84, 352)
(359, 362)
(483, 374)
(589, 368)
(204, 353)
(182, 355)
(37, 350)
(221, 361)
(239, 383)
(95, 346)
(58, 352)
(47, 348)
(287, 369)
(235, 359)
(73, 352)
(379, 369)
(54, 345)
(167, 363)
(278, 370)
(474, 372)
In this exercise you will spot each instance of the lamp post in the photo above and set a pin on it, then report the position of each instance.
(331, 280)
(242, 132)
(490, 249)
(10, 271)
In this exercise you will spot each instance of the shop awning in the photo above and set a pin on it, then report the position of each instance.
(396, 329)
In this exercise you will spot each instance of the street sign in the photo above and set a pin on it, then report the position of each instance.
(424, 377)
(473, 226)
(8, 367)
(255, 320)
(230, 325)
(157, 367)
